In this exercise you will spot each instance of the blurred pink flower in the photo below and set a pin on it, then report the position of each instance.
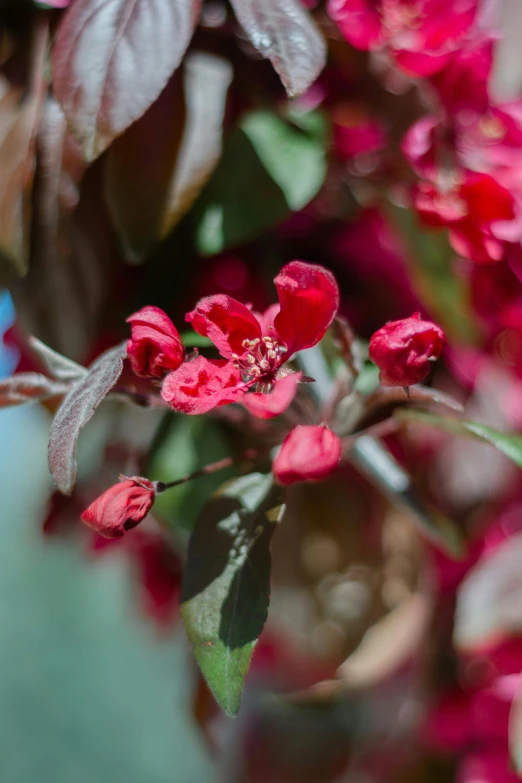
(420, 34)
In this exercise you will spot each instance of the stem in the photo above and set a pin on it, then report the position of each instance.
(214, 467)
(345, 337)
(379, 430)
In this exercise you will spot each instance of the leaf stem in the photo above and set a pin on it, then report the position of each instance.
(214, 467)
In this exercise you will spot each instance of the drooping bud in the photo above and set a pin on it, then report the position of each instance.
(155, 347)
(308, 453)
(402, 350)
(121, 507)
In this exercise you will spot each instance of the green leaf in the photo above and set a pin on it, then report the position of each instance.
(294, 159)
(269, 168)
(430, 260)
(187, 443)
(194, 340)
(226, 584)
(510, 445)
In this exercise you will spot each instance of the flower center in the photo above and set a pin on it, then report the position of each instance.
(492, 128)
(261, 360)
(398, 17)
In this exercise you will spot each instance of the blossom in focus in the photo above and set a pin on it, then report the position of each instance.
(308, 453)
(254, 346)
(403, 350)
(121, 507)
(420, 34)
(155, 346)
(474, 211)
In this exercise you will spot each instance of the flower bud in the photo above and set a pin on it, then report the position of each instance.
(121, 507)
(308, 453)
(402, 350)
(155, 347)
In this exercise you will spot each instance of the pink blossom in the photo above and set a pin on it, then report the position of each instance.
(255, 347)
(419, 34)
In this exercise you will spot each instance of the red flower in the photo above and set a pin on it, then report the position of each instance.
(420, 34)
(155, 346)
(474, 211)
(255, 347)
(402, 350)
(308, 453)
(121, 507)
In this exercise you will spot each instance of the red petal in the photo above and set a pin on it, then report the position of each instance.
(267, 320)
(121, 507)
(227, 322)
(308, 453)
(309, 298)
(266, 406)
(203, 384)
(155, 347)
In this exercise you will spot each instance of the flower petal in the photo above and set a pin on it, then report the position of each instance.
(267, 319)
(308, 453)
(266, 406)
(121, 507)
(226, 322)
(203, 384)
(155, 347)
(309, 298)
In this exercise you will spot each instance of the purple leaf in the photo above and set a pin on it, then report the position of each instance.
(283, 31)
(489, 599)
(58, 366)
(28, 387)
(20, 106)
(76, 410)
(150, 186)
(111, 60)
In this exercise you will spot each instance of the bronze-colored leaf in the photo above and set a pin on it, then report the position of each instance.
(158, 167)
(111, 60)
(20, 105)
(283, 32)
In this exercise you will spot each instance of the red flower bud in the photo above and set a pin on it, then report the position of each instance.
(121, 507)
(155, 346)
(308, 453)
(402, 350)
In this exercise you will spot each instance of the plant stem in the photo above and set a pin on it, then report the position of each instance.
(214, 467)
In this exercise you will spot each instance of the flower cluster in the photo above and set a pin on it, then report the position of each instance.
(255, 347)
(466, 154)
(255, 371)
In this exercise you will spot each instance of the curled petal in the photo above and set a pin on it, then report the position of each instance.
(201, 385)
(308, 453)
(266, 406)
(309, 298)
(121, 507)
(155, 347)
(226, 322)
(358, 21)
(403, 350)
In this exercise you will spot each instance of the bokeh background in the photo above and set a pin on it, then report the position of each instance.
(97, 682)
